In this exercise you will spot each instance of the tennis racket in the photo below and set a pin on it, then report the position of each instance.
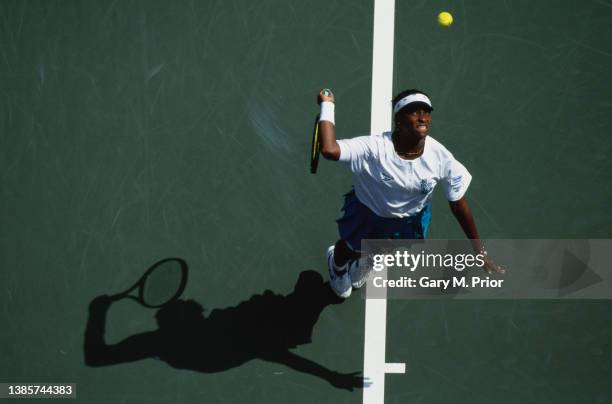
(315, 149)
(163, 283)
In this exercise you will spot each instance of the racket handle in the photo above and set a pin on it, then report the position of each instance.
(118, 296)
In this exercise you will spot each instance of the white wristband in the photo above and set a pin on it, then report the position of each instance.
(327, 112)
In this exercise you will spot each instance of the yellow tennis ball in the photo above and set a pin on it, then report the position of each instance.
(445, 19)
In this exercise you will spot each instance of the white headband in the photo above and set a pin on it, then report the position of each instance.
(409, 99)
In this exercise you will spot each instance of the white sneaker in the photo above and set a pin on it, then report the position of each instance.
(339, 279)
(359, 273)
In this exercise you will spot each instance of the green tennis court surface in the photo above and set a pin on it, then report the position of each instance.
(137, 131)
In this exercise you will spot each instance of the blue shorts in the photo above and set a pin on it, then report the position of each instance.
(359, 223)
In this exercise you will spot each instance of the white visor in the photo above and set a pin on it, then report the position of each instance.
(409, 99)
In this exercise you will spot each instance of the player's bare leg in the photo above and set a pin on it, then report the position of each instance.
(343, 253)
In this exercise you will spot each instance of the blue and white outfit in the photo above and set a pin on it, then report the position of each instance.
(391, 197)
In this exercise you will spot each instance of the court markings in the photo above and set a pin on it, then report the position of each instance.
(374, 360)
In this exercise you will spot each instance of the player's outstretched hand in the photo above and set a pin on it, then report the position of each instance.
(491, 267)
(325, 95)
(347, 381)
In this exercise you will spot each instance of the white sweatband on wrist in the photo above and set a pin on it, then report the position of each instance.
(327, 112)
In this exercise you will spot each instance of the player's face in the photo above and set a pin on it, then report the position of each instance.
(415, 121)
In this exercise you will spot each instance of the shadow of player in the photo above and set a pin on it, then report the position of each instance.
(264, 327)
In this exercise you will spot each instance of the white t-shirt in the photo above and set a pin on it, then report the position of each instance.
(393, 187)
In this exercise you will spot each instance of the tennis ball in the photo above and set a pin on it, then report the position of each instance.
(445, 19)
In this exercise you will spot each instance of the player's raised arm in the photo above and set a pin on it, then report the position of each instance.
(99, 353)
(327, 130)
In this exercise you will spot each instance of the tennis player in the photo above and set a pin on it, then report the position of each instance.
(394, 176)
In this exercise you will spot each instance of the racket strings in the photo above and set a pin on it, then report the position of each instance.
(163, 284)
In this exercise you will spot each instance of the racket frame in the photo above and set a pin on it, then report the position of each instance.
(142, 281)
(315, 148)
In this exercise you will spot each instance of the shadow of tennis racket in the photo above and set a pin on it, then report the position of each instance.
(163, 283)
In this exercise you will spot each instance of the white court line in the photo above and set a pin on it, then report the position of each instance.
(382, 66)
(374, 362)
